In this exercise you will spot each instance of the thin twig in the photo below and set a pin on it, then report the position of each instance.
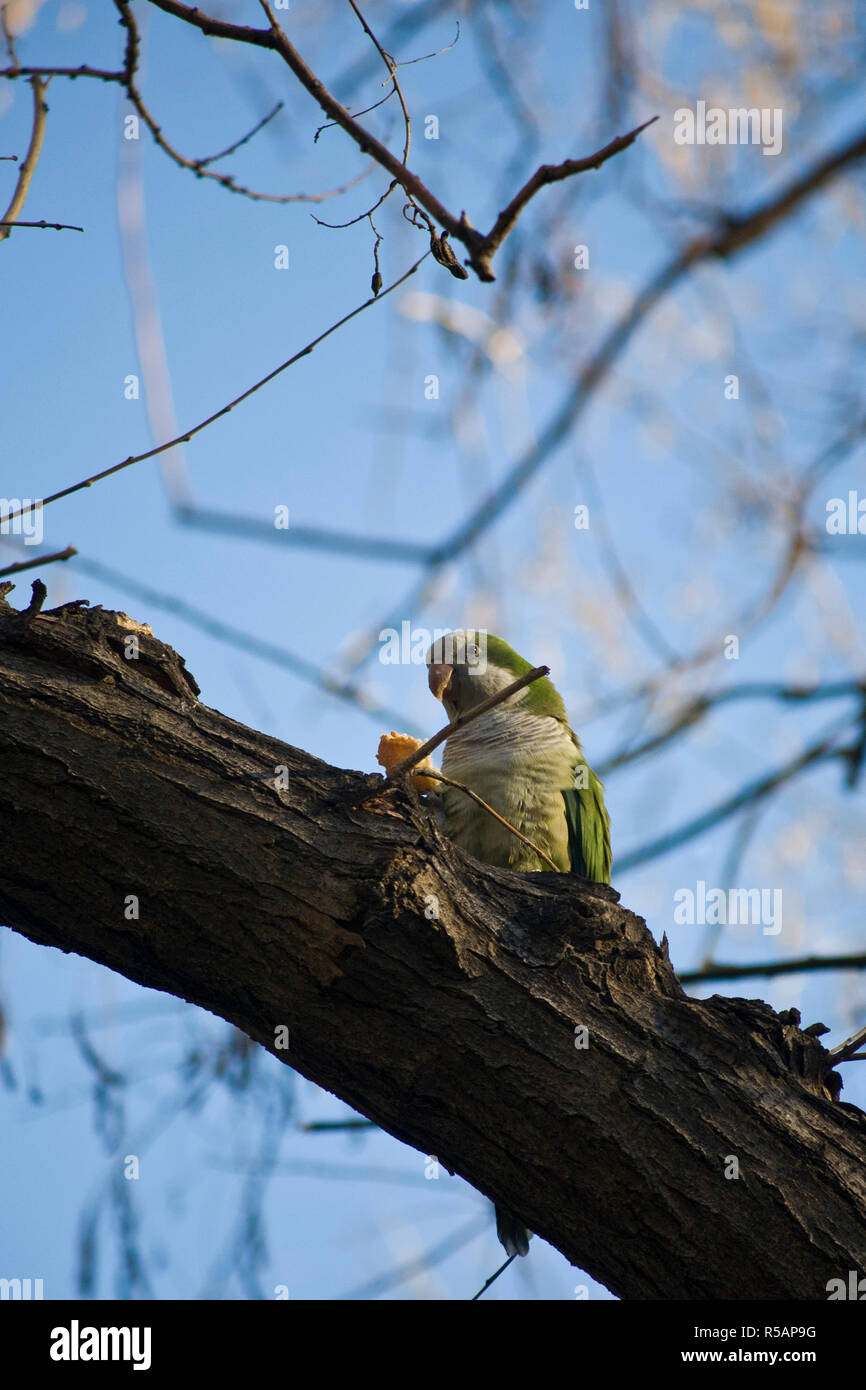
(123, 79)
(401, 30)
(230, 149)
(8, 36)
(449, 782)
(224, 410)
(376, 278)
(407, 62)
(771, 968)
(52, 226)
(25, 173)
(198, 166)
(421, 1264)
(39, 560)
(407, 124)
(400, 769)
(320, 1126)
(101, 74)
(332, 125)
(501, 1270)
(390, 65)
(846, 1050)
(361, 216)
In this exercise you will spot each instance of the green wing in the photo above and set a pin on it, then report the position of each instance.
(588, 826)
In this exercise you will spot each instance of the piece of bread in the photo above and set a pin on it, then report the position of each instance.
(394, 748)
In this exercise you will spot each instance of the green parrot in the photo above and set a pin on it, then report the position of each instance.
(524, 760)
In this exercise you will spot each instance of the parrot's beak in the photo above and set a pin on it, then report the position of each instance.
(438, 678)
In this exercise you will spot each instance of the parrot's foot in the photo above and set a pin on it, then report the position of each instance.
(512, 1233)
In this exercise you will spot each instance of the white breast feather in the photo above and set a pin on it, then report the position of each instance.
(487, 757)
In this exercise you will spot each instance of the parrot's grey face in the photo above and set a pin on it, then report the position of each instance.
(459, 674)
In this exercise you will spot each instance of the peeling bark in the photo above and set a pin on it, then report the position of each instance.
(305, 908)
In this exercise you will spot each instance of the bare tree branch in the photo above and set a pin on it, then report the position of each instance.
(27, 169)
(402, 29)
(199, 166)
(771, 968)
(554, 173)
(125, 78)
(101, 74)
(481, 248)
(51, 226)
(38, 561)
(848, 1049)
(389, 64)
(230, 149)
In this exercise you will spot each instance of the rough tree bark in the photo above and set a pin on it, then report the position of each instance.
(305, 908)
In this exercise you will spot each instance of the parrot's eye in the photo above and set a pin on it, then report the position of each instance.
(472, 651)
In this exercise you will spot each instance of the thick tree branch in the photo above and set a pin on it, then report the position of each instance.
(152, 834)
